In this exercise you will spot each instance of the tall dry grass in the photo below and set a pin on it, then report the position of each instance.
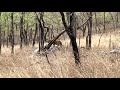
(95, 63)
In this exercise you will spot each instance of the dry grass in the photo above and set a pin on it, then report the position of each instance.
(95, 63)
(23, 64)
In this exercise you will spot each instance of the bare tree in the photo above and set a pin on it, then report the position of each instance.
(73, 23)
(90, 30)
(70, 33)
(41, 31)
(88, 38)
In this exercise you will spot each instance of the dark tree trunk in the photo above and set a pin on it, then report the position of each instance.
(30, 36)
(21, 30)
(90, 29)
(10, 37)
(88, 38)
(3, 38)
(7, 35)
(25, 38)
(74, 24)
(12, 32)
(36, 30)
(104, 23)
(25, 34)
(41, 34)
(41, 31)
(24, 31)
(69, 30)
(0, 33)
(39, 39)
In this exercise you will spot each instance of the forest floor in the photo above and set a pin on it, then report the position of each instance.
(95, 63)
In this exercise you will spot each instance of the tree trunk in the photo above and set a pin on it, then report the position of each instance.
(30, 36)
(112, 20)
(41, 34)
(104, 23)
(87, 39)
(69, 30)
(12, 32)
(0, 33)
(96, 22)
(7, 35)
(90, 29)
(46, 34)
(39, 39)
(73, 23)
(52, 34)
(3, 38)
(25, 34)
(117, 19)
(36, 30)
(41, 31)
(21, 31)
